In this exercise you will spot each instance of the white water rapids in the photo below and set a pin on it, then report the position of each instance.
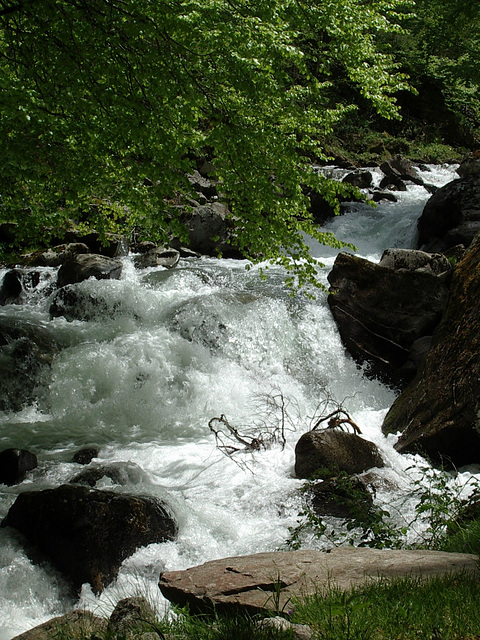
(181, 347)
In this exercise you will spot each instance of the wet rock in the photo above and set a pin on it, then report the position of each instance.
(400, 167)
(121, 473)
(86, 455)
(361, 179)
(438, 413)
(158, 257)
(341, 497)
(26, 353)
(14, 465)
(452, 215)
(87, 533)
(393, 182)
(16, 284)
(378, 196)
(381, 311)
(268, 581)
(325, 452)
(57, 255)
(84, 266)
(74, 303)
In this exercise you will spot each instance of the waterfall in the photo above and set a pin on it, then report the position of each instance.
(150, 361)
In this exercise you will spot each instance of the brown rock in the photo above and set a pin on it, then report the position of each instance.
(438, 413)
(268, 581)
(323, 453)
(76, 624)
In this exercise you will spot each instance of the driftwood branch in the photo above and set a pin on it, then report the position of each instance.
(337, 419)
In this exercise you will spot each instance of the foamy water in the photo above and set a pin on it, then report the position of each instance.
(142, 382)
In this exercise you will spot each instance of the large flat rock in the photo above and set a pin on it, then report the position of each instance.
(267, 581)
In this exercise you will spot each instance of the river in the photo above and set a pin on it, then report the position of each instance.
(142, 381)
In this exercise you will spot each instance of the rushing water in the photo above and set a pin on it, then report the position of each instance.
(142, 382)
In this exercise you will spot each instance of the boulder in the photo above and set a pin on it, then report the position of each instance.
(325, 452)
(88, 533)
(14, 465)
(452, 215)
(395, 183)
(361, 179)
(74, 303)
(75, 624)
(341, 497)
(85, 456)
(400, 167)
(268, 581)
(57, 255)
(15, 284)
(419, 261)
(381, 310)
(208, 230)
(83, 266)
(438, 413)
(112, 245)
(26, 352)
(158, 257)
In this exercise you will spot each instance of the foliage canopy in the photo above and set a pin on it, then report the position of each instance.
(106, 104)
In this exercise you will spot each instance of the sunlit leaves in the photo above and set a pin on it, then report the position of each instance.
(96, 97)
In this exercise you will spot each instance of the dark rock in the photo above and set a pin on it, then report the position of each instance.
(56, 256)
(208, 230)
(11, 290)
(381, 311)
(324, 453)
(378, 196)
(438, 413)
(88, 533)
(470, 166)
(320, 209)
(393, 182)
(14, 465)
(400, 167)
(451, 216)
(360, 179)
(85, 456)
(84, 266)
(26, 351)
(8, 232)
(112, 246)
(269, 581)
(342, 497)
(17, 284)
(76, 304)
(143, 247)
(158, 257)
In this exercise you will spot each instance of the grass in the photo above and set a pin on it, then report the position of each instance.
(404, 609)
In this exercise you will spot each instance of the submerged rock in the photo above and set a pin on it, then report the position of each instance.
(452, 215)
(14, 465)
(88, 533)
(26, 354)
(439, 412)
(323, 453)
